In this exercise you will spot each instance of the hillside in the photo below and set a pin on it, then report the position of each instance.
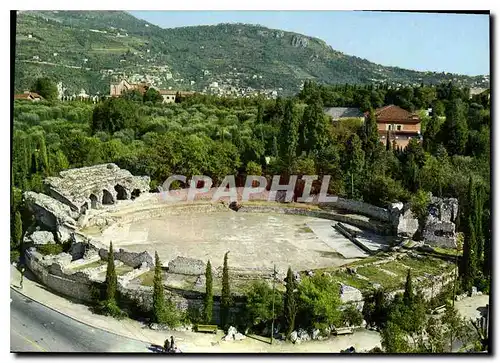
(87, 49)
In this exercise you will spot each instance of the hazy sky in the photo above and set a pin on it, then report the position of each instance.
(454, 43)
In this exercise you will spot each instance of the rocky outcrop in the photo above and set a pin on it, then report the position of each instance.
(298, 41)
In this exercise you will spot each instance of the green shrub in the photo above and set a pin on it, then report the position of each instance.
(14, 256)
(110, 308)
(50, 249)
(352, 316)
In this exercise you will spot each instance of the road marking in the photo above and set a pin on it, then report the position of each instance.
(30, 341)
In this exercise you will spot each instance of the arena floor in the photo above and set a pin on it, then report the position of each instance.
(254, 240)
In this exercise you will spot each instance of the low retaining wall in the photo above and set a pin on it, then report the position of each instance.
(77, 287)
(374, 226)
(366, 209)
(132, 259)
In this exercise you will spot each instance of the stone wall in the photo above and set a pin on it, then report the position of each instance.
(50, 271)
(439, 229)
(186, 266)
(358, 221)
(50, 213)
(362, 208)
(132, 259)
(93, 186)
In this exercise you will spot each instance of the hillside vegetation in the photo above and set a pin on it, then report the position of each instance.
(85, 49)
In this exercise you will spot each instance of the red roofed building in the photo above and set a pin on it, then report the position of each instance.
(28, 96)
(169, 96)
(401, 124)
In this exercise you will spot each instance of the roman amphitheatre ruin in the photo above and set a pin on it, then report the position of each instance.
(92, 206)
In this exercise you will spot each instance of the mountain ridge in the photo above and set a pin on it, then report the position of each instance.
(227, 57)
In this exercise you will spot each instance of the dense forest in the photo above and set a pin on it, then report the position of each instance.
(207, 135)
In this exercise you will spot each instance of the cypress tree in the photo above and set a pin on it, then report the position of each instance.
(290, 303)
(408, 294)
(18, 229)
(371, 136)
(487, 247)
(469, 259)
(289, 134)
(388, 141)
(111, 278)
(478, 225)
(225, 301)
(42, 153)
(455, 132)
(158, 295)
(209, 298)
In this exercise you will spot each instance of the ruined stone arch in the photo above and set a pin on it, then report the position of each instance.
(93, 201)
(135, 194)
(121, 192)
(107, 197)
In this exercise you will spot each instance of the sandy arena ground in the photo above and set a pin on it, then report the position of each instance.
(254, 240)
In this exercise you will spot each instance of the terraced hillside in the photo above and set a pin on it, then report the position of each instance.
(85, 49)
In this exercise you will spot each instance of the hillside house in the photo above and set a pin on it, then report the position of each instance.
(169, 96)
(340, 113)
(117, 89)
(400, 124)
(28, 96)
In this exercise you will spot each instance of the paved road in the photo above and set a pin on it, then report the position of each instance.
(35, 328)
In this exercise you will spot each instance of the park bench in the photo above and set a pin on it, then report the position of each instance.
(439, 309)
(343, 331)
(206, 329)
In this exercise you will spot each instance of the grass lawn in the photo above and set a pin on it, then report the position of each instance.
(347, 279)
(425, 265)
(123, 269)
(89, 265)
(395, 267)
(447, 251)
(147, 278)
(374, 274)
(306, 229)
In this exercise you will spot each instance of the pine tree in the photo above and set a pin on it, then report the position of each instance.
(158, 294)
(111, 279)
(290, 303)
(408, 294)
(209, 298)
(225, 301)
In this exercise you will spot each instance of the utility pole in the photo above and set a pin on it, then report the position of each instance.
(272, 321)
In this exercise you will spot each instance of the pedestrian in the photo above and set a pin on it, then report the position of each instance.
(22, 277)
(172, 343)
(166, 345)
